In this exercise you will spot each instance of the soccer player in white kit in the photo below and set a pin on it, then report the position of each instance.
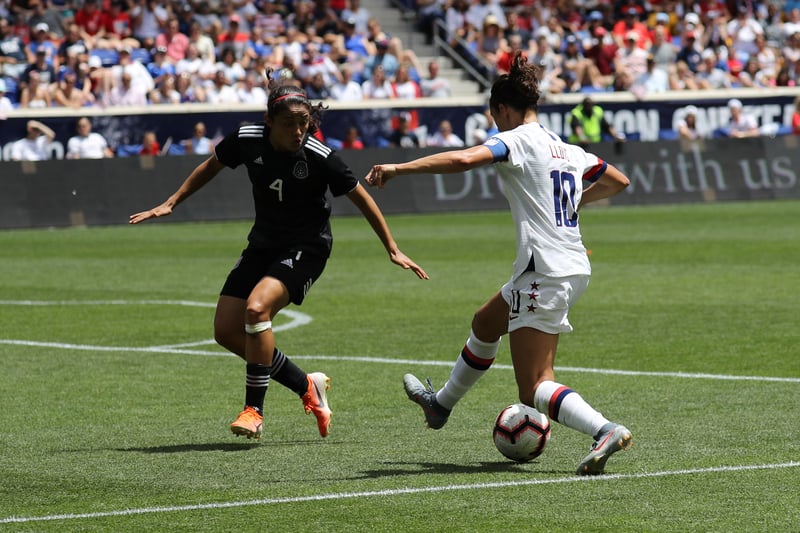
(543, 181)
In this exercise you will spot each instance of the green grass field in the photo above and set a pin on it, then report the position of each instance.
(116, 402)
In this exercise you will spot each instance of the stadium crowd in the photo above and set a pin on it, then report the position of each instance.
(76, 53)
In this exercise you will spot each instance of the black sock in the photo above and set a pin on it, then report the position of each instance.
(257, 382)
(288, 374)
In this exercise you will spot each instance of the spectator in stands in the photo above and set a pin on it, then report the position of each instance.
(325, 19)
(653, 81)
(767, 57)
(41, 43)
(33, 147)
(233, 70)
(743, 30)
(588, 124)
(68, 94)
(149, 18)
(54, 17)
(435, 86)
(549, 63)
(752, 76)
(378, 87)
(165, 91)
(601, 52)
(403, 136)
(221, 91)
(796, 116)
(383, 58)
(234, 40)
(553, 31)
(710, 75)
(316, 88)
(631, 26)
(270, 20)
(455, 17)
(489, 42)
(573, 65)
(87, 144)
(117, 27)
(35, 93)
(689, 52)
(46, 72)
(89, 19)
(687, 126)
(404, 86)
(314, 62)
(72, 44)
(251, 89)
(198, 143)
(190, 92)
(13, 60)
(123, 92)
(682, 78)
(160, 68)
(359, 14)
(150, 144)
(204, 43)
(347, 89)
(444, 136)
(141, 80)
(173, 41)
(742, 124)
(480, 9)
(196, 66)
(352, 141)
(503, 63)
(631, 59)
(664, 52)
(301, 19)
(790, 54)
(6, 104)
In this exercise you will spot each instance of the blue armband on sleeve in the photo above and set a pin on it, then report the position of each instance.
(498, 148)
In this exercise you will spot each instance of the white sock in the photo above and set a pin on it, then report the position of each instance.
(476, 358)
(566, 407)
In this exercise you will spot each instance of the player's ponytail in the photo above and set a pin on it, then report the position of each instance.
(519, 88)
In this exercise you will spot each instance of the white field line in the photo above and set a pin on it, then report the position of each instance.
(384, 361)
(394, 492)
(299, 319)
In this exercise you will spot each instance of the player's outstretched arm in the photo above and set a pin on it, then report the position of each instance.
(202, 174)
(361, 199)
(441, 163)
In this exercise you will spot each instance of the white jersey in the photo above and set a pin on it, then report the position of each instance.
(543, 181)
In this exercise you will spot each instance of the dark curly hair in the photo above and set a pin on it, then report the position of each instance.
(282, 95)
(519, 88)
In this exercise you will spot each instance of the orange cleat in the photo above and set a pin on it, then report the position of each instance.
(315, 400)
(248, 423)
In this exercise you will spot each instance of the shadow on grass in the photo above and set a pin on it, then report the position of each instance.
(213, 446)
(406, 469)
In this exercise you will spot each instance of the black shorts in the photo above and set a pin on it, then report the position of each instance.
(296, 268)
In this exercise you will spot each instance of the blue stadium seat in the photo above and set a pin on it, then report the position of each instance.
(107, 57)
(667, 135)
(141, 55)
(12, 87)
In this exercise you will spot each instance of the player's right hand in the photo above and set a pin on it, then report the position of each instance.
(380, 174)
(159, 211)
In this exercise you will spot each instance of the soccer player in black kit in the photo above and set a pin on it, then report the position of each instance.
(288, 245)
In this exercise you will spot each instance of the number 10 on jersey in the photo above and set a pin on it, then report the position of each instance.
(564, 198)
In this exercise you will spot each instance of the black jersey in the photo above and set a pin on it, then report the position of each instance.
(289, 190)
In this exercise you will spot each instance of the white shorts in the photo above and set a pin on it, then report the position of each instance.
(541, 302)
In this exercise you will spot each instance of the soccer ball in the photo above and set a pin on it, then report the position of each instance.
(521, 432)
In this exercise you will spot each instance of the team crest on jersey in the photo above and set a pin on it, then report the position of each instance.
(300, 170)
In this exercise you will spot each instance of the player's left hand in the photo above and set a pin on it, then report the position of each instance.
(380, 174)
(401, 259)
